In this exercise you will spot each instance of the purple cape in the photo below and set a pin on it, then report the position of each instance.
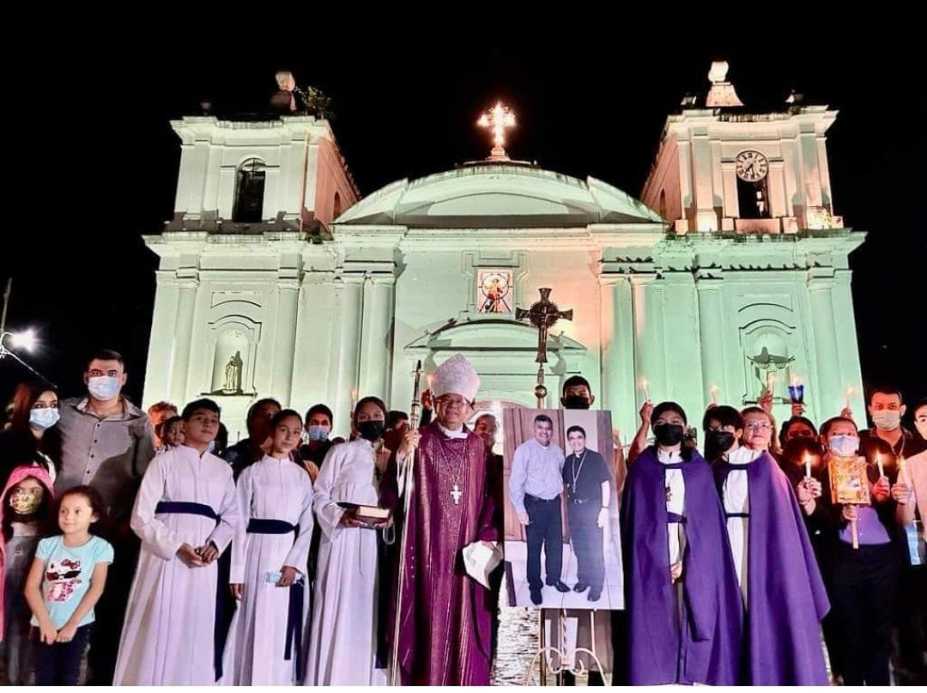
(445, 635)
(706, 648)
(786, 596)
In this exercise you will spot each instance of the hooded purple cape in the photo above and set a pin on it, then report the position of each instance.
(785, 593)
(445, 635)
(706, 648)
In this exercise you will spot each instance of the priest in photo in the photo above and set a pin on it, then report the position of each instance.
(445, 629)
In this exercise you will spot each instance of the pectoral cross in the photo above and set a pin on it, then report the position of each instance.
(543, 315)
(456, 494)
(498, 119)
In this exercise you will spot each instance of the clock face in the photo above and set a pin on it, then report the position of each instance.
(751, 166)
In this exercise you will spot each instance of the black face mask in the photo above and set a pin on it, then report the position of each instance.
(575, 402)
(371, 430)
(669, 435)
(717, 443)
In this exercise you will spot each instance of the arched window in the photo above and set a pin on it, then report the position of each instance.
(249, 192)
(336, 207)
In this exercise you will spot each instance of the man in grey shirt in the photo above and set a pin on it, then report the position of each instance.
(535, 487)
(107, 443)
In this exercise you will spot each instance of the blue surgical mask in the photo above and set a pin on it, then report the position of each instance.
(844, 446)
(44, 418)
(318, 433)
(103, 387)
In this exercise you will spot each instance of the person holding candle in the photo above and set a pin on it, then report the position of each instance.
(783, 595)
(865, 579)
(684, 617)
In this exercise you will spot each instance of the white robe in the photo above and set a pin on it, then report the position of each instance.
(271, 489)
(736, 499)
(168, 634)
(343, 641)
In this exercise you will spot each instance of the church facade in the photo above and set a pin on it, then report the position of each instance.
(730, 273)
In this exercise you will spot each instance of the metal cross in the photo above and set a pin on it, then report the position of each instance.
(543, 315)
(456, 494)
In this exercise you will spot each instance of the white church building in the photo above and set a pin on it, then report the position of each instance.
(728, 274)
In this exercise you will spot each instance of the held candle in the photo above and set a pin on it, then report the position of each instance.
(879, 462)
(807, 465)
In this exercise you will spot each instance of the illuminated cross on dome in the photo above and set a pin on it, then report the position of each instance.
(498, 119)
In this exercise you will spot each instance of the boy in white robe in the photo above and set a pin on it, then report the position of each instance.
(185, 514)
(269, 564)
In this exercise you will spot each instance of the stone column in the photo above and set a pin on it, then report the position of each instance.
(711, 335)
(349, 301)
(160, 349)
(183, 335)
(285, 340)
(618, 352)
(820, 290)
(376, 348)
(649, 353)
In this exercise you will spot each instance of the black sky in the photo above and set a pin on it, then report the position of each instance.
(99, 160)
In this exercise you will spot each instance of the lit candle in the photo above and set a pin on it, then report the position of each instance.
(847, 398)
(879, 462)
(644, 389)
(353, 400)
(714, 394)
(796, 381)
(770, 381)
(807, 466)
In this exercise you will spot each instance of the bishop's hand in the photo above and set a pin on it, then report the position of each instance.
(409, 443)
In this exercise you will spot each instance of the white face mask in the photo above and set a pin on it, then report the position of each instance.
(887, 420)
(103, 388)
(844, 446)
(44, 418)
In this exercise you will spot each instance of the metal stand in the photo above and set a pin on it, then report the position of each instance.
(544, 657)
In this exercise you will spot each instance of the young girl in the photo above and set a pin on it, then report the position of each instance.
(342, 647)
(269, 556)
(25, 515)
(64, 584)
(170, 433)
(185, 515)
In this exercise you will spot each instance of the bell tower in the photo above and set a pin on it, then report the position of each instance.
(722, 168)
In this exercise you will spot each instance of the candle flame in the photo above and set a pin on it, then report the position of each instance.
(796, 381)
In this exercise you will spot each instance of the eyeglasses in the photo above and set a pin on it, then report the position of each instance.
(758, 426)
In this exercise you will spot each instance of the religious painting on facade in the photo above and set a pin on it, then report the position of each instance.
(494, 290)
(562, 538)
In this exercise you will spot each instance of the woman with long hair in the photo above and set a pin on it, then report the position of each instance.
(32, 437)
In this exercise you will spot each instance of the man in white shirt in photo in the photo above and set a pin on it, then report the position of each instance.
(535, 486)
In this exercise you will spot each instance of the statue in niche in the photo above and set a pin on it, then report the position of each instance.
(768, 368)
(233, 372)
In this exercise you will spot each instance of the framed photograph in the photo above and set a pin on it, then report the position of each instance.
(849, 484)
(562, 537)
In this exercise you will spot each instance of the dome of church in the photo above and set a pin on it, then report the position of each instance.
(498, 195)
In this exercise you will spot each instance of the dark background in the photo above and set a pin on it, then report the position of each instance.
(98, 161)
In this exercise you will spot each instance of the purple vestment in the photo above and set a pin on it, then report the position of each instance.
(785, 593)
(695, 639)
(446, 627)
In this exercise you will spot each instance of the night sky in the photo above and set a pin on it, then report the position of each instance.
(101, 166)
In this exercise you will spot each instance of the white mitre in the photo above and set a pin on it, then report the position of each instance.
(456, 375)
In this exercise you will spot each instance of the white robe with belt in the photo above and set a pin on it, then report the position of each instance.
(343, 642)
(168, 636)
(271, 489)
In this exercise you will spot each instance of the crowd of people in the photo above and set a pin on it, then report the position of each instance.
(132, 541)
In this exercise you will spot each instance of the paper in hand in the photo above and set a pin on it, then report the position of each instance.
(480, 560)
